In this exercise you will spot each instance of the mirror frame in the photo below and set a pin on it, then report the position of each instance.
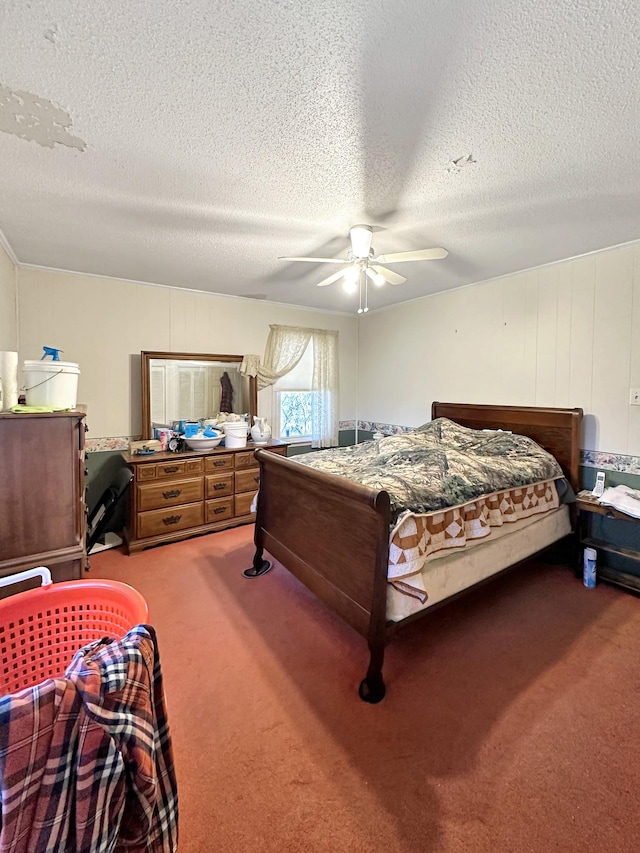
(147, 356)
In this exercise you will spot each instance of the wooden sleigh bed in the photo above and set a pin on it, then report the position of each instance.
(333, 534)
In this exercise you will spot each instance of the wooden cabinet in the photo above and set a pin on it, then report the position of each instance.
(42, 494)
(176, 495)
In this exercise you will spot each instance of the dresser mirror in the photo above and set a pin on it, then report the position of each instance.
(185, 386)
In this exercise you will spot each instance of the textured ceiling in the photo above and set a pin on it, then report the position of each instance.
(192, 142)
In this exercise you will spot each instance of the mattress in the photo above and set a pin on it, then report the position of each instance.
(452, 572)
(418, 538)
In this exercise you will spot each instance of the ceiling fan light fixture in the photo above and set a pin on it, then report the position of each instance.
(351, 279)
(352, 273)
(361, 237)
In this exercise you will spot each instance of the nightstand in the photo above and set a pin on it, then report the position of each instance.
(588, 506)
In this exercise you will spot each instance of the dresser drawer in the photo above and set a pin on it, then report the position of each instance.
(219, 510)
(218, 485)
(243, 503)
(160, 521)
(194, 466)
(146, 472)
(247, 481)
(246, 459)
(218, 463)
(171, 469)
(157, 495)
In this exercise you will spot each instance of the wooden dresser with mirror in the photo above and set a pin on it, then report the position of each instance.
(177, 495)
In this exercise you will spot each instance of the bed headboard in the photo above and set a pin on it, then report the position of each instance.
(557, 430)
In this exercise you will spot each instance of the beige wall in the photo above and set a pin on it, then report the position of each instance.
(104, 324)
(561, 335)
(8, 328)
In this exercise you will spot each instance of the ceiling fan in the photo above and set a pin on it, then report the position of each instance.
(362, 260)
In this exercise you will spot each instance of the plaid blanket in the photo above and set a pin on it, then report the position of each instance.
(86, 763)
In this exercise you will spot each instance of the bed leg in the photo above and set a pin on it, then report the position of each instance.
(372, 687)
(260, 566)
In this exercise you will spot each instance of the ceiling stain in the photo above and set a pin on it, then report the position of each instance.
(51, 34)
(456, 166)
(36, 119)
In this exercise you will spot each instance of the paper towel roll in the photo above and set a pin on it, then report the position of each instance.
(8, 380)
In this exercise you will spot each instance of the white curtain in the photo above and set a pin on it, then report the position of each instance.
(324, 411)
(285, 347)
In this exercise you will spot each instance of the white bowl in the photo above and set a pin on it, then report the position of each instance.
(203, 442)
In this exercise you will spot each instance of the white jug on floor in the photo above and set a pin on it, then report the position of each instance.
(260, 431)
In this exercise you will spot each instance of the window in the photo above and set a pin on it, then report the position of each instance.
(305, 392)
(293, 399)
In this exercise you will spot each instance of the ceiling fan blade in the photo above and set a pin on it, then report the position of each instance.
(317, 260)
(418, 255)
(388, 275)
(333, 277)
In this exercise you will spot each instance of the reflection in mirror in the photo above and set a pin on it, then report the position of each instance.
(189, 386)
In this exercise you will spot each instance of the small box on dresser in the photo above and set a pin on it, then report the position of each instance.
(177, 495)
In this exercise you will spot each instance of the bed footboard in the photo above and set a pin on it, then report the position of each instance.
(333, 535)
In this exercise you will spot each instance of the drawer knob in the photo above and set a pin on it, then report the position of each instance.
(172, 493)
(219, 509)
(218, 486)
(219, 463)
(171, 519)
(171, 469)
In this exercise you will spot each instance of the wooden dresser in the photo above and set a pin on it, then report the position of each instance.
(42, 494)
(176, 495)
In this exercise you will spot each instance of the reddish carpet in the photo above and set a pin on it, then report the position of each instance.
(510, 722)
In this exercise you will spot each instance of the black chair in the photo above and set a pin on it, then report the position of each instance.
(103, 512)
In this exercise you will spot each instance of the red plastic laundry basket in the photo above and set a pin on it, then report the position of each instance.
(41, 630)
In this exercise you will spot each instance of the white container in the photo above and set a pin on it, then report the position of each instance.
(235, 433)
(202, 442)
(589, 567)
(260, 431)
(53, 384)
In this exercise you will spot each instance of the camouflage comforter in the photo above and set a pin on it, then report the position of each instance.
(440, 464)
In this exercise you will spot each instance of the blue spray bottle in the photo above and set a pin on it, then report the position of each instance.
(51, 351)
